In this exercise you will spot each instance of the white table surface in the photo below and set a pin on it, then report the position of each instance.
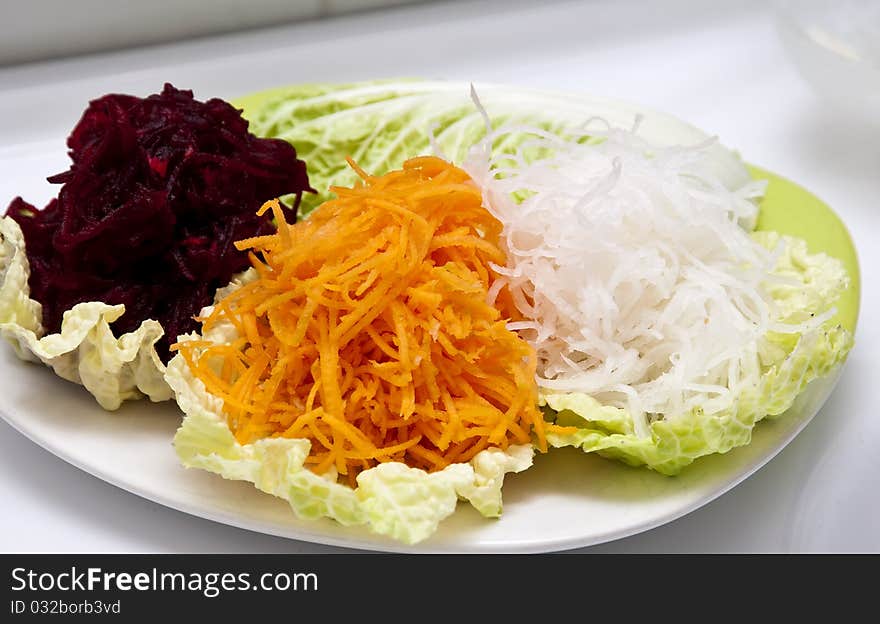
(717, 65)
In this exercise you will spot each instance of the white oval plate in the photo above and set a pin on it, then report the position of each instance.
(567, 500)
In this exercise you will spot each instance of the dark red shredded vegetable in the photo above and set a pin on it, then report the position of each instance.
(159, 190)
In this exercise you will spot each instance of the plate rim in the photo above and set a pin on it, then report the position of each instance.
(376, 543)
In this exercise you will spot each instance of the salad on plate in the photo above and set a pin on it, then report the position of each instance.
(375, 300)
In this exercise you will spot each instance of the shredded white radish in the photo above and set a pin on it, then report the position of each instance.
(630, 262)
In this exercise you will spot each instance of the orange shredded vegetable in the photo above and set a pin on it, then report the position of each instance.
(368, 330)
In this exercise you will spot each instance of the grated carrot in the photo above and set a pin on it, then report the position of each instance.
(368, 330)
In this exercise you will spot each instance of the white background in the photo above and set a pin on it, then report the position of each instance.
(718, 65)
(39, 29)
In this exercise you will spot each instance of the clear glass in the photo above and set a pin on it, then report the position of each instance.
(835, 44)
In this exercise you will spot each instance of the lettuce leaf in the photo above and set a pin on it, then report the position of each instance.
(788, 363)
(85, 351)
(380, 124)
(406, 504)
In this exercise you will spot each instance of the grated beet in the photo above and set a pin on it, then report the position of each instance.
(159, 190)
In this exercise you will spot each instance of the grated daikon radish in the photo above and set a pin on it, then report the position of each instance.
(631, 264)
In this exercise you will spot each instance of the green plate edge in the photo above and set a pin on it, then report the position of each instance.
(786, 208)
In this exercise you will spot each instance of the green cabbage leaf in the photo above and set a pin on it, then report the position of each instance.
(381, 124)
(85, 351)
(788, 362)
